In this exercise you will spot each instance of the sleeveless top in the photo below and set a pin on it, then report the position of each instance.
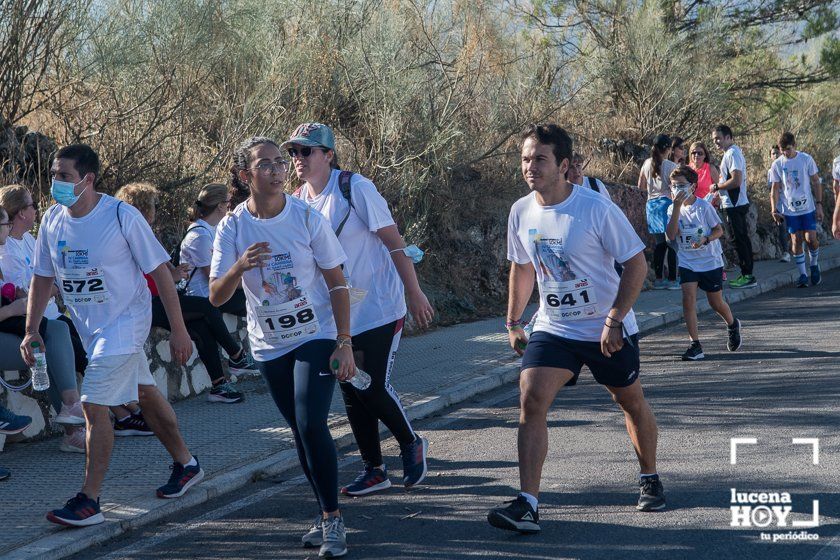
(704, 180)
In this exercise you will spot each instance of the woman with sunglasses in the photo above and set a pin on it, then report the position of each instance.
(289, 262)
(707, 173)
(380, 270)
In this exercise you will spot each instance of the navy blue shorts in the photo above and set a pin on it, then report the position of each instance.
(548, 350)
(708, 281)
(801, 222)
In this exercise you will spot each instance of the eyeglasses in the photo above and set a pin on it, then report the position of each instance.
(5, 224)
(303, 152)
(269, 168)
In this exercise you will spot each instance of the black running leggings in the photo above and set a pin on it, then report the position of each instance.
(374, 351)
(659, 252)
(206, 327)
(302, 386)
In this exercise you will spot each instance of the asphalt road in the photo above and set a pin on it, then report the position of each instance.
(781, 385)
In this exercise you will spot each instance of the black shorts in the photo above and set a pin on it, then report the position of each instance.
(548, 350)
(708, 281)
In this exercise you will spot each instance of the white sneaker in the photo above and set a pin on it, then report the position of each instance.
(71, 415)
(314, 535)
(335, 539)
(785, 257)
(73, 442)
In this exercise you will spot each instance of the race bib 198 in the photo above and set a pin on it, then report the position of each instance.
(568, 301)
(293, 320)
(85, 286)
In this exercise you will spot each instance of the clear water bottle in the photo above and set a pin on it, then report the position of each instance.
(360, 381)
(40, 379)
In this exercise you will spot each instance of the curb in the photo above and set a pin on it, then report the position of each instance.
(123, 520)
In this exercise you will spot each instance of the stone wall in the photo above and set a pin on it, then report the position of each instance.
(175, 382)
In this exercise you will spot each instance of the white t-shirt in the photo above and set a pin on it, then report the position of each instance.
(657, 187)
(18, 267)
(733, 159)
(695, 221)
(795, 176)
(287, 300)
(835, 169)
(369, 265)
(602, 188)
(99, 270)
(197, 250)
(572, 246)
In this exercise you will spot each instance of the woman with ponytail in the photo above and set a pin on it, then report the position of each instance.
(654, 179)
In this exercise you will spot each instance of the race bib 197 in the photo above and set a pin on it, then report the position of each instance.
(293, 320)
(568, 301)
(798, 205)
(84, 286)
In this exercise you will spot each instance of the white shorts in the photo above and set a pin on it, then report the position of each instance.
(113, 380)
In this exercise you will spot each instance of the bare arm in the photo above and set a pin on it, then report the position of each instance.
(733, 182)
(520, 288)
(836, 227)
(418, 304)
(340, 302)
(40, 292)
(222, 288)
(179, 341)
(632, 280)
(672, 229)
(816, 189)
(642, 182)
(714, 173)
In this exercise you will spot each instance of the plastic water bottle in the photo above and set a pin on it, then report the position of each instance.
(40, 379)
(360, 381)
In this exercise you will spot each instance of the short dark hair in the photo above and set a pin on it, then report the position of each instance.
(677, 142)
(685, 171)
(553, 135)
(774, 147)
(786, 139)
(84, 158)
(724, 130)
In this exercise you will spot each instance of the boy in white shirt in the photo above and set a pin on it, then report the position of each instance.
(796, 199)
(98, 249)
(694, 225)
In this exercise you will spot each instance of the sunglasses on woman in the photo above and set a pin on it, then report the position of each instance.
(698, 154)
(305, 151)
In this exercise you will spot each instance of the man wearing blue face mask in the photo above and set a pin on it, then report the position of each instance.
(96, 249)
(694, 226)
(379, 268)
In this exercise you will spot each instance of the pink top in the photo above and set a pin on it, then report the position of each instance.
(704, 181)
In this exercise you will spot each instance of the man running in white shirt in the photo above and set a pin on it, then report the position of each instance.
(796, 199)
(97, 250)
(566, 237)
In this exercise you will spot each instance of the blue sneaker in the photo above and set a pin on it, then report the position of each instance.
(816, 278)
(5, 473)
(414, 461)
(245, 364)
(80, 511)
(371, 479)
(803, 281)
(182, 479)
(11, 423)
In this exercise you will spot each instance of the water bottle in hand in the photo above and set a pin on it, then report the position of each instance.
(40, 379)
(360, 381)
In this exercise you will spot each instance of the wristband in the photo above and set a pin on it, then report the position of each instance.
(510, 325)
(342, 342)
(618, 326)
(706, 237)
(342, 287)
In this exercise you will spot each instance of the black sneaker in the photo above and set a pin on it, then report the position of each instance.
(79, 511)
(694, 352)
(518, 516)
(245, 364)
(134, 425)
(734, 335)
(224, 393)
(651, 494)
(182, 479)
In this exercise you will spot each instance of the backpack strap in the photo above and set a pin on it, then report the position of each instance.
(593, 184)
(344, 179)
(195, 268)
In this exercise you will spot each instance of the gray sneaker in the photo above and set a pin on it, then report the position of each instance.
(335, 538)
(315, 535)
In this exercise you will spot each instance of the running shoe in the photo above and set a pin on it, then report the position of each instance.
(11, 423)
(315, 535)
(673, 285)
(71, 415)
(651, 494)
(660, 284)
(694, 352)
(743, 281)
(134, 425)
(73, 442)
(335, 538)
(224, 393)
(414, 461)
(816, 277)
(5, 473)
(371, 479)
(803, 281)
(785, 257)
(80, 511)
(182, 479)
(518, 516)
(245, 364)
(733, 334)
